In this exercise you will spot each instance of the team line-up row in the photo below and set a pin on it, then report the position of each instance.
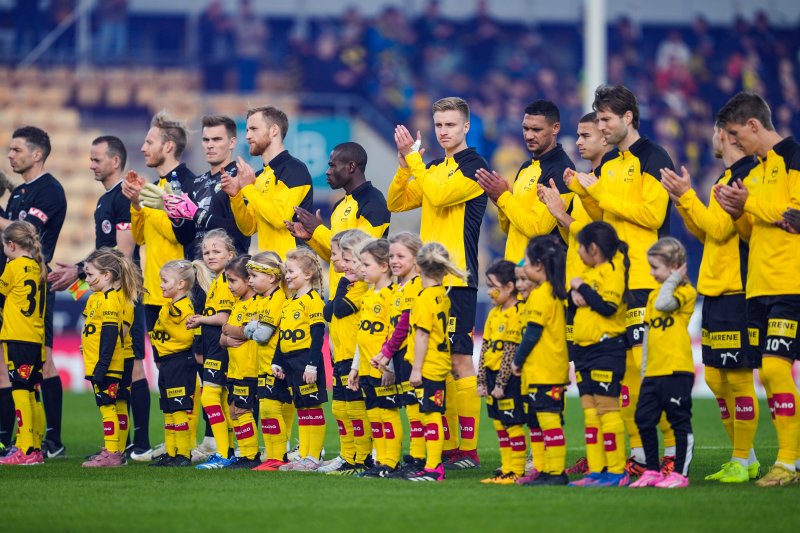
(602, 283)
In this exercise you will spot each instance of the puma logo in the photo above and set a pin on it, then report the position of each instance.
(391, 399)
(676, 401)
(268, 387)
(509, 414)
(727, 355)
(605, 385)
(179, 400)
(212, 372)
(786, 343)
(315, 396)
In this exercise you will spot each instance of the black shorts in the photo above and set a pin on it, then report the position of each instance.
(242, 393)
(404, 388)
(304, 395)
(341, 371)
(49, 309)
(634, 318)
(108, 392)
(151, 316)
(463, 303)
(431, 396)
(138, 331)
(127, 380)
(510, 410)
(215, 369)
(176, 382)
(376, 396)
(599, 368)
(543, 399)
(272, 388)
(772, 324)
(726, 343)
(24, 364)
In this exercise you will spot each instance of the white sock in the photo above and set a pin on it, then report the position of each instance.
(638, 455)
(742, 462)
(752, 459)
(788, 467)
(669, 451)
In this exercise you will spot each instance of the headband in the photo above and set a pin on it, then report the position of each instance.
(261, 267)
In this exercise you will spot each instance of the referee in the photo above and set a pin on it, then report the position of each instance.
(39, 200)
(112, 218)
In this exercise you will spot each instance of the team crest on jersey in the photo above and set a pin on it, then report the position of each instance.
(239, 318)
(397, 301)
(348, 210)
(106, 226)
(501, 328)
(438, 398)
(377, 309)
(296, 315)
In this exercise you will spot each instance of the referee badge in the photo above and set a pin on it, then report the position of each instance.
(106, 226)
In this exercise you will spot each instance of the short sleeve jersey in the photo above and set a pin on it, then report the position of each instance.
(298, 315)
(23, 311)
(432, 313)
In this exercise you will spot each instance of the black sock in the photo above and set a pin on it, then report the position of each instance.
(209, 433)
(140, 409)
(6, 416)
(53, 399)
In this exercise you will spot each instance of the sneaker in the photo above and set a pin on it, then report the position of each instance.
(528, 478)
(507, 479)
(270, 465)
(208, 446)
(529, 466)
(40, 457)
(668, 464)
(778, 475)
(53, 449)
(410, 467)
(179, 461)
(244, 463)
(614, 480)
(19, 458)
(719, 474)
(105, 459)
(426, 474)
(309, 464)
(581, 466)
(142, 455)
(462, 461)
(754, 470)
(550, 480)
(650, 478)
(347, 470)
(735, 473)
(199, 456)
(162, 460)
(291, 465)
(377, 470)
(589, 480)
(214, 462)
(634, 468)
(494, 479)
(294, 454)
(673, 481)
(333, 464)
(5, 451)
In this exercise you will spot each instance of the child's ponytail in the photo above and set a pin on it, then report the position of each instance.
(548, 251)
(25, 235)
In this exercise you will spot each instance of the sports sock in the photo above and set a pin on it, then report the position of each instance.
(516, 450)
(122, 420)
(778, 373)
(416, 432)
(271, 428)
(362, 437)
(450, 422)
(347, 446)
(469, 412)
(110, 427)
(434, 439)
(196, 414)
(555, 451)
(289, 415)
(52, 398)
(6, 416)
(24, 412)
(716, 380)
(211, 400)
(169, 434)
(183, 442)
(638, 455)
(595, 453)
(39, 426)
(746, 411)
(302, 432)
(315, 431)
(631, 385)
(537, 448)
(613, 430)
(140, 410)
(505, 446)
(392, 436)
(246, 435)
(376, 427)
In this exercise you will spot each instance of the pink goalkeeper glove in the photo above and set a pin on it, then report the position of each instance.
(179, 206)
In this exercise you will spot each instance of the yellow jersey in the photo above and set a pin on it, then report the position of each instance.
(299, 313)
(23, 310)
(102, 309)
(502, 326)
(669, 347)
(343, 331)
(373, 327)
(607, 280)
(242, 360)
(431, 313)
(548, 363)
(169, 335)
(269, 312)
(219, 297)
(126, 317)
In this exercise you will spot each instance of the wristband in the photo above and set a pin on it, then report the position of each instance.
(311, 368)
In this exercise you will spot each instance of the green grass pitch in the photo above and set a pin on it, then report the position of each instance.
(61, 496)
